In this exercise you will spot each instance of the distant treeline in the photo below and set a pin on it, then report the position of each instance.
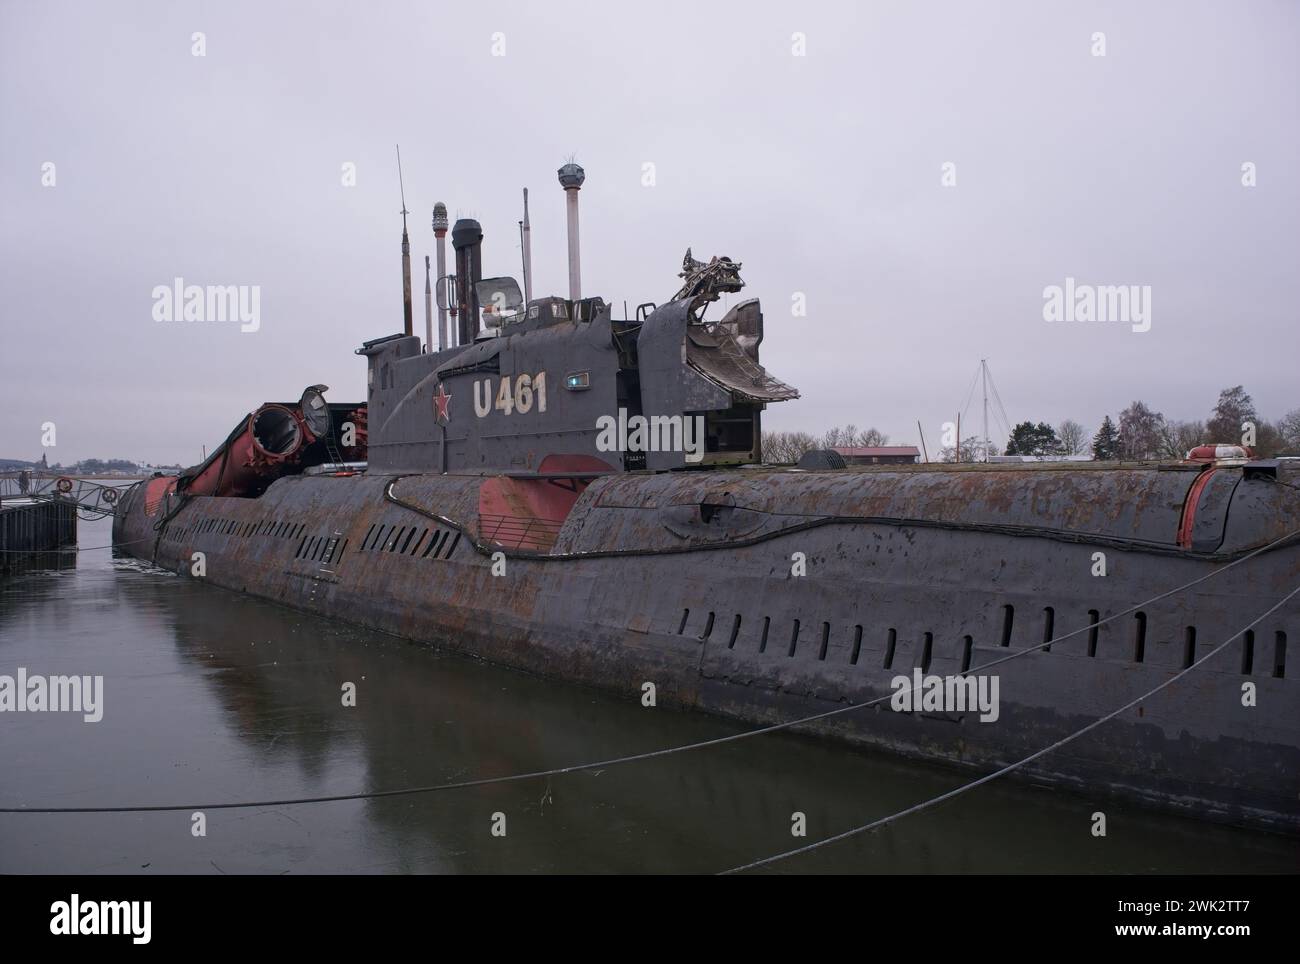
(787, 447)
(86, 467)
(1140, 433)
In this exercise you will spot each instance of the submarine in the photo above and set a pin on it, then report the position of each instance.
(583, 497)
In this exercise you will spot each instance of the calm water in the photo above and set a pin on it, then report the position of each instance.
(211, 696)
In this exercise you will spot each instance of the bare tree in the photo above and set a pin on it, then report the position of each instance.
(1177, 438)
(1073, 437)
(850, 436)
(776, 448)
(840, 436)
(972, 450)
(1140, 431)
(786, 448)
(1289, 426)
(802, 443)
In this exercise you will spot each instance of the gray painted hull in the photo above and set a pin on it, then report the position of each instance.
(706, 607)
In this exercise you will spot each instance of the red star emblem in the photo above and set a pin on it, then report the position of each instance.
(440, 403)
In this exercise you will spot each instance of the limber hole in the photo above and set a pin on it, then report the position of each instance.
(438, 536)
(1139, 637)
(1008, 616)
(342, 549)
(857, 646)
(735, 631)
(891, 642)
(1094, 617)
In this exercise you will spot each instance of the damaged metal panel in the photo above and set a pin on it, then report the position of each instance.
(1128, 508)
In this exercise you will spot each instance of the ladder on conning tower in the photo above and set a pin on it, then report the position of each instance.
(336, 457)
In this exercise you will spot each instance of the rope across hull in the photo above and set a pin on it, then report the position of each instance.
(785, 599)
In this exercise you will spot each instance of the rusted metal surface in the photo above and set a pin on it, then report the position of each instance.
(278, 439)
(730, 630)
(487, 523)
(1128, 508)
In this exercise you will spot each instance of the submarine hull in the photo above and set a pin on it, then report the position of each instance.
(767, 596)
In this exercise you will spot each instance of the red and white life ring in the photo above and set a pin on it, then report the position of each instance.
(1213, 453)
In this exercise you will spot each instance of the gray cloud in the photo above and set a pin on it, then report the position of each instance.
(821, 173)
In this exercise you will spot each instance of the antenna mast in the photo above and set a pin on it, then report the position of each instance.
(526, 242)
(984, 380)
(406, 253)
(428, 308)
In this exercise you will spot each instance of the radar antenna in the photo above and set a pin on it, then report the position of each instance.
(706, 282)
(406, 252)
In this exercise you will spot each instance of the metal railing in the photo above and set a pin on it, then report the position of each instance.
(519, 532)
(91, 496)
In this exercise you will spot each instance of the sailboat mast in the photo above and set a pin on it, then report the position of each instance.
(984, 380)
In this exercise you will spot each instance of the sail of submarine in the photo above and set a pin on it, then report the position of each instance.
(644, 564)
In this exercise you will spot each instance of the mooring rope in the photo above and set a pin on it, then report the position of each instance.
(666, 751)
(38, 552)
(989, 777)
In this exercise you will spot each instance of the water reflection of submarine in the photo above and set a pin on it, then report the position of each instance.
(426, 720)
(280, 675)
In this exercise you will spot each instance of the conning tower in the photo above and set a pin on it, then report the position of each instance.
(557, 385)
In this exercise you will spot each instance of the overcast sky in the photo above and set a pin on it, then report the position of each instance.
(822, 173)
